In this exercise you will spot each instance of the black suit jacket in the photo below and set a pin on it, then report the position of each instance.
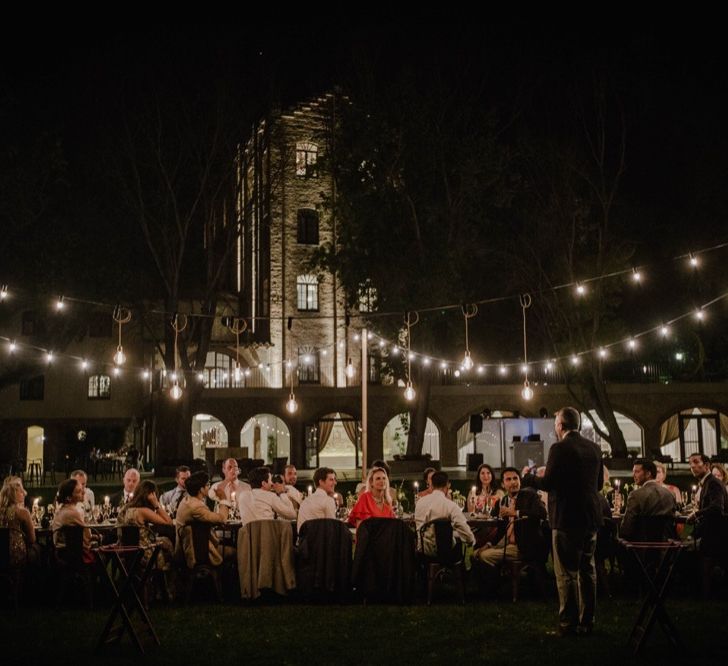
(117, 499)
(528, 529)
(574, 476)
(710, 522)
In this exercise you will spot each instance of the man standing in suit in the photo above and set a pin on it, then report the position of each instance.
(650, 500)
(573, 479)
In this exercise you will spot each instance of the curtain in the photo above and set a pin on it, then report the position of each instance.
(464, 442)
(324, 432)
(351, 427)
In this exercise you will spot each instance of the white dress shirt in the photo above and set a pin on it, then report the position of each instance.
(317, 505)
(238, 487)
(262, 504)
(436, 506)
(172, 497)
(295, 494)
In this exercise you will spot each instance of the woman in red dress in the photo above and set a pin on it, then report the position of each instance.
(375, 501)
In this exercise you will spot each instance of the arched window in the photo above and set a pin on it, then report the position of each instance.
(207, 433)
(306, 155)
(394, 441)
(307, 293)
(266, 437)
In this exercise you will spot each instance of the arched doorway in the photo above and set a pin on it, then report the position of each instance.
(207, 433)
(334, 441)
(265, 437)
(694, 430)
(394, 437)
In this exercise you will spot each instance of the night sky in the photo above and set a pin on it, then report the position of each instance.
(670, 81)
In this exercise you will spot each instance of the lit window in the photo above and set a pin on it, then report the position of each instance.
(308, 365)
(99, 387)
(307, 288)
(306, 154)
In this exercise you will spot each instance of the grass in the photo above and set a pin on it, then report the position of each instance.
(283, 633)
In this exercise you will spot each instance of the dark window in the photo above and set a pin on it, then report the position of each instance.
(308, 226)
(308, 366)
(100, 325)
(33, 388)
(99, 387)
(29, 324)
(307, 288)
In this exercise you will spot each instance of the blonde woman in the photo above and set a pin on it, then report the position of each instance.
(375, 501)
(16, 517)
(662, 477)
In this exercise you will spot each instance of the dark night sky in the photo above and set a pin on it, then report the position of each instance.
(670, 80)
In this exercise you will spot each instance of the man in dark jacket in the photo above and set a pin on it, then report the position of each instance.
(573, 478)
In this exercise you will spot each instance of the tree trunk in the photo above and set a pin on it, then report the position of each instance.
(419, 412)
(174, 426)
(603, 407)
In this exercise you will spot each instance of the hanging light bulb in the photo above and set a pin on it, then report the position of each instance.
(693, 260)
(12, 346)
(632, 343)
(467, 361)
(549, 366)
(291, 405)
(580, 289)
(395, 350)
(247, 372)
(237, 373)
(443, 365)
(201, 376)
(636, 275)
(481, 369)
(349, 370)
(176, 392)
(145, 374)
(699, 315)
(60, 304)
(84, 364)
(502, 370)
(602, 352)
(116, 372)
(426, 361)
(524, 369)
(3, 292)
(469, 311)
(574, 360)
(665, 331)
(49, 357)
(119, 357)
(409, 392)
(526, 391)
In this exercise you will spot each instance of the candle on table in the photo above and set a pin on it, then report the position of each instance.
(416, 485)
(36, 501)
(310, 489)
(107, 501)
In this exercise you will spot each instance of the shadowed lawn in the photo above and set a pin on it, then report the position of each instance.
(497, 632)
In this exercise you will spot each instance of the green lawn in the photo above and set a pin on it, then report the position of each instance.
(495, 633)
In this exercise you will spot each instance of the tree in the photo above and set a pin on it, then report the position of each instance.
(570, 232)
(177, 175)
(420, 176)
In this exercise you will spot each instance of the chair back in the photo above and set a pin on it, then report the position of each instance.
(445, 552)
(265, 558)
(655, 528)
(384, 561)
(129, 535)
(72, 552)
(201, 542)
(323, 558)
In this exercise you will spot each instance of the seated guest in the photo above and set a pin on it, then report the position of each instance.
(718, 471)
(375, 501)
(230, 483)
(661, 478)
(436, 506)
(16, 517)
(321, 503)
(426, 482)
(173, 497)
(649, 500)
(711, 499)
(290, 476)
(267, 501)
(361, 487)
(131, 481)
(142, 510)
(518, 538)
(485, 491)
(70, 493)
(193, 509)
(86, 507)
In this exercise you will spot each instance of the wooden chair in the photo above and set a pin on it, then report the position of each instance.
(71, 567)
(446, 558)
(203, 570)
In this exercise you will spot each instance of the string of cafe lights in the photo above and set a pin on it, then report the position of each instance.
(629, 343)
(580, 287)
(122, 315)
